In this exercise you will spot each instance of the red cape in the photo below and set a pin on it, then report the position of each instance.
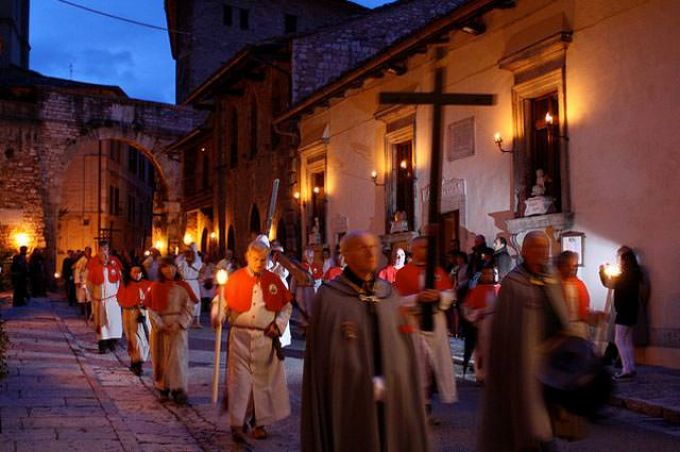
(408, 280)
(314, 269)
(95, 270)
(239, 290)
(476, 299)
(332, 273)
(583, 297)
(128, 296)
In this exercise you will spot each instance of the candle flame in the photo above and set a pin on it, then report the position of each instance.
(612, 270)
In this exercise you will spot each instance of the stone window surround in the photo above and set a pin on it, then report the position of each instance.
(538, 70)
(400, 126)
(314, 159)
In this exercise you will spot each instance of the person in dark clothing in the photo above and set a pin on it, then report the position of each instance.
(626, 286)
(475, 262)
(502, 257)
(19, 271)
(36, 269)
(67, 275)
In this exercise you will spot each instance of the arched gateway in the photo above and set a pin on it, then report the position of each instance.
(44, 131)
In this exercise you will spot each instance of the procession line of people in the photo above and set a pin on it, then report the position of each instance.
(370, 370)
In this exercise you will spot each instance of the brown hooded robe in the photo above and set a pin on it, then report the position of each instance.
(338, 409)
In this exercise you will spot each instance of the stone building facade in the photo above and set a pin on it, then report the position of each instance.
(239, 140)
(231, 161)
(47, 123)
(204, 34)
(579, 89)
(107, 192)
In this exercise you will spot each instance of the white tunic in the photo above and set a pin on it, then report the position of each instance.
(282, 273)
(190, 273)
(107, 315)
(434, 348)
(253, 368)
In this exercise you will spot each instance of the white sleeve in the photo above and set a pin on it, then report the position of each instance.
(283, 316)
(446, 298)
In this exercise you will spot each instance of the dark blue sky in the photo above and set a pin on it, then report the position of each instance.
(68, 42)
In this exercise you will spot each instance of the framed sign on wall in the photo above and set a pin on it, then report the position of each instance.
(574, 241)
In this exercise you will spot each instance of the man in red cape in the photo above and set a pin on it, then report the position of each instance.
(258, 308)
(435, 352)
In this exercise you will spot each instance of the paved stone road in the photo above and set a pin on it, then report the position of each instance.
(61, 395)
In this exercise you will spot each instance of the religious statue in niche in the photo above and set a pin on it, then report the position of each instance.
(315, 235)
(539, 203)
(400, 223)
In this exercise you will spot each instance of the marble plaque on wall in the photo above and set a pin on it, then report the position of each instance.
(460, 139)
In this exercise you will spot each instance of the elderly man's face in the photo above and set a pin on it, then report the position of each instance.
(257, 260)
(361, 254)
(535, 252)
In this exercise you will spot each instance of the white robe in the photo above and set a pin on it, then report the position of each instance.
(170, 349)
(190, 274)
(107, 315)
(254, 371)
(283, 273)
(434, 349)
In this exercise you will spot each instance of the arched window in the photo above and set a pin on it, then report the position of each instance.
(233, 142)
(253, 127)
(204, 241)
(231, 240)
(255, 223)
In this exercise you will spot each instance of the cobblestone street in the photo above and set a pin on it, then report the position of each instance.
(62, 395)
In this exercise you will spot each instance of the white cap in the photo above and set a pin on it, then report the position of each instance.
(263, 239)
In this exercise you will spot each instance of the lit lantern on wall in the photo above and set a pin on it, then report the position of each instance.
(213, 235)
(188, 238)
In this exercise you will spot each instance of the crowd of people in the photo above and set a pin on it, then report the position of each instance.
(29, 275)
(371, 365)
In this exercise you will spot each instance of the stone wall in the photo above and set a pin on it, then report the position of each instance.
(40, 132)
(213, 42)
(321, 57)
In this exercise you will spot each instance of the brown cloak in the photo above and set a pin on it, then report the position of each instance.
(338, 409)
(514, 414)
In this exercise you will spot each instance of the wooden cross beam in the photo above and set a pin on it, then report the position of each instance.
(437, 98)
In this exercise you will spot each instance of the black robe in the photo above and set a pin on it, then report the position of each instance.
(338, 409)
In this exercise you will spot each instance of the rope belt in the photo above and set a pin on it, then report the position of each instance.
(104, 299)
(249, 327)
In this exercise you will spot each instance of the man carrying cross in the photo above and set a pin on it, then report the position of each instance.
(437, 99)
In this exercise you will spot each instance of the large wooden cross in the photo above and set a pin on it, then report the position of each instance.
(437, 98)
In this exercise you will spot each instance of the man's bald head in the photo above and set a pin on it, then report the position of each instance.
(535, 251)
(360, 249)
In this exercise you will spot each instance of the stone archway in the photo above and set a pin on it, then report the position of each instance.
(48, 130)
(166, 227)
